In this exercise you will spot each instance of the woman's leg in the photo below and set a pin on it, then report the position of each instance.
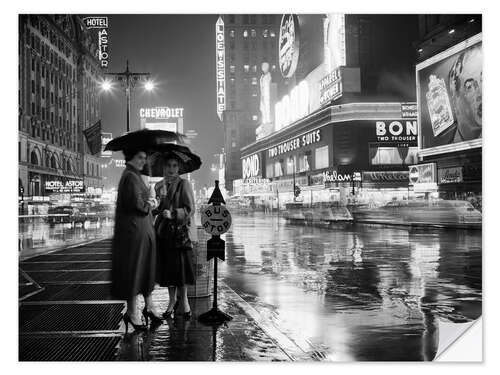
(185, 301)
(132, 311)
(172, 297)
(150, 306)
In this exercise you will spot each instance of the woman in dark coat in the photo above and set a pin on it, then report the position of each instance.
(134, 242)
(175, 265)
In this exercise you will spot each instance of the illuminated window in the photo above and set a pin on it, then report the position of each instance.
(255, 117)
(245, 34)
(265, 33)
(291, 165)
(321, 157)
(304, 165)
(278, 168)
(231, 33)
(254, 68)
(274, 67)
(254, 81)
(232, 68)
(392, 155)
(270, 170)
(246, 68)
(272, 33)
(254, 33)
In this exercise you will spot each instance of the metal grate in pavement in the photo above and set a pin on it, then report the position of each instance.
(76, 276)
(28, 313)
(65, 266)
(62, 257)
(73, 292)
(72, 317)
(68, 348)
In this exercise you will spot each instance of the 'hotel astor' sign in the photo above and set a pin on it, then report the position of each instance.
(295, 143)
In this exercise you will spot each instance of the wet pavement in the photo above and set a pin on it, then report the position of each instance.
(355, 292)
(352, 292)
(36, 236)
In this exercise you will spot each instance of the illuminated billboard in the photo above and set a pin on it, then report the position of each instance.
(449, 93)
(162, 118)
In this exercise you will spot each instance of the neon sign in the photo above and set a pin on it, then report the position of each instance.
(292, 107)
(220, 67)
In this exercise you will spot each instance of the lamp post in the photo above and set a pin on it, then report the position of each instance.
(128, 80)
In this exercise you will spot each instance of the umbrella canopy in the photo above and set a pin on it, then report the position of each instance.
(146, 139)
(188, 162)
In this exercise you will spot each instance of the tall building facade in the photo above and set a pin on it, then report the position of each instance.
(449, 94)
(59, 76)
(345, 126)
(249, 41)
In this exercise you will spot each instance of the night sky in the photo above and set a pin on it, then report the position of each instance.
(179, 52)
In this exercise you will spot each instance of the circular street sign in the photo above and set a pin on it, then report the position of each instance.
(216, 220)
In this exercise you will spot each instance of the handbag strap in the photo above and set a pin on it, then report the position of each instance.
(177, 188)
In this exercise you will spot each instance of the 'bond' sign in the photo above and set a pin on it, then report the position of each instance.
(216, 220)
(220, 67)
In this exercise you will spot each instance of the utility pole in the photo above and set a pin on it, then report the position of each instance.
(128, 80)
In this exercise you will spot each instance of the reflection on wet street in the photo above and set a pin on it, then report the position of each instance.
(37, 236)
(355, 292)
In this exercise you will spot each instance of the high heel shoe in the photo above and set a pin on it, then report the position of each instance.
(168, 314)
(154, 319)
(127, 321)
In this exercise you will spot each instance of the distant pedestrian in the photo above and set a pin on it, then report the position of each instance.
(175, 232)
(134, 243)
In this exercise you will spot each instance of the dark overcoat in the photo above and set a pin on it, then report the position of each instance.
(134, 242)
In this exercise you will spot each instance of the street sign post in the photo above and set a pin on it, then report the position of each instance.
(216, 220)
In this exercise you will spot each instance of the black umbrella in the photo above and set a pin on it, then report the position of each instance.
(188, 162)
(145, 139)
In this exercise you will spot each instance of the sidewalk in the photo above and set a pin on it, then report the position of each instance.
(73, 318)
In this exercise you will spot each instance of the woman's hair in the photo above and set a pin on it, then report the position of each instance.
(130, 153)
(172, 157)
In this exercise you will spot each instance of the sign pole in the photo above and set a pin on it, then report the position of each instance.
(216, 220)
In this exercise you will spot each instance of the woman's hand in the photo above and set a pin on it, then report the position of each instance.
(167, 214)
(153, 202)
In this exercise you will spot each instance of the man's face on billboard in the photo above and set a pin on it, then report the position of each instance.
(468, 94)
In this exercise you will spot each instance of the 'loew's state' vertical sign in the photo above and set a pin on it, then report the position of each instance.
(220, 67)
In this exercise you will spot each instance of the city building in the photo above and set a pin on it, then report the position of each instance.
(344, 127)
(244, 43)
(59, 74)
(449, 95)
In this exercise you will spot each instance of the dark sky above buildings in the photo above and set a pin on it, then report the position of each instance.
(179, 52)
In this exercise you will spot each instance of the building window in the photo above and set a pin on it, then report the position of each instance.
(393, 155)
(246, 68)
(245, 34)
(232, 69)
(254, 68)
(231, 18)
(270, 170)
(278, 168)
(265, 33)
(246, 19)
(291, 167)
(255, 117)
(254, 80)
(304, 163)
(231, 33)
(272, 34)
(321, 157)
(254, 33)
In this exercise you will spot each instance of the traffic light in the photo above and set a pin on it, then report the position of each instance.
(296, 191)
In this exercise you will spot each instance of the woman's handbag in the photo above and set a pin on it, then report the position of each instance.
(173, 233)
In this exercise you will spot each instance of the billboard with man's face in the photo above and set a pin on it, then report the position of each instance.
(450, 97)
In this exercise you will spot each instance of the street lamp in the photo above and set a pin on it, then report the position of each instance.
(149, 86)
(128, 81)
(106, 85)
